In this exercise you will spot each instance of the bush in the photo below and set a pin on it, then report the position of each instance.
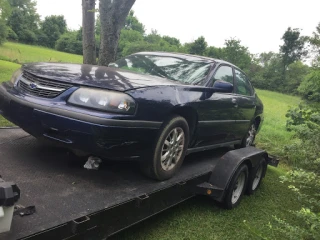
(305, 184)
(27, 36)
(12, 35)
(69, 42)
(305, 122)
(310, 86)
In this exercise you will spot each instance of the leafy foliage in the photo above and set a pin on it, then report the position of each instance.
(70, 42)
(198, 47)
(310, 86)
(132, 23)
(304, 121)
(293, 47)
(314, 40)
(305, 184)
(237, 54)
(3, 32)
(24, 20)
(52, 28)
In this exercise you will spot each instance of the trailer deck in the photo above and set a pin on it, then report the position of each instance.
(66, 195)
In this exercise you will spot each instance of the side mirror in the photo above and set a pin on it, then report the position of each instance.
(222, 86)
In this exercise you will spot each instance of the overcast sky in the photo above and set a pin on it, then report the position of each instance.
(258, 24)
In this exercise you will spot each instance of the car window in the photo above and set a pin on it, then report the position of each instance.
(243, 85)
(193, 71)
(224, 73)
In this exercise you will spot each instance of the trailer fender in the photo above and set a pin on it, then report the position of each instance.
(226, 167)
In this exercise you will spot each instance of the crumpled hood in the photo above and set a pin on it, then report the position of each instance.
(95, 76)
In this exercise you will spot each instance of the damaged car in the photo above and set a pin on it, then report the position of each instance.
(152, 107)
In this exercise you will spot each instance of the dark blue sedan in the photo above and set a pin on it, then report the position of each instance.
(153, 107)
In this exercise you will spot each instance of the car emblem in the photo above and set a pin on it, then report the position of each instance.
(33, 86)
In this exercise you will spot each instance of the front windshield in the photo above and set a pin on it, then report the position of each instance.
(173, 68)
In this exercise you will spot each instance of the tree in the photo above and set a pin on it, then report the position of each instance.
(70, 42)
(132, 23)
(214, 52)
(237, 54)
(296, 72)
(292, 49)
(24, 20)
(88, 31)
(314, 40)
(3, 32)
(52, 27)
(112, 17)
(5, 11)
(199, 46)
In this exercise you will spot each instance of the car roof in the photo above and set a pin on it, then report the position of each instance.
(185, 56)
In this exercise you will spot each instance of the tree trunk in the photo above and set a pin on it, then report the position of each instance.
(88, 31)
(113, 14)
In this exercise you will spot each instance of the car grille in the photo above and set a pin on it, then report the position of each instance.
(41, 87)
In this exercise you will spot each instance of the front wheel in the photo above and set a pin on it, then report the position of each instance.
(170, 150)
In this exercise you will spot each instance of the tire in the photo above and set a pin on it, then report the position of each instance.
(172, 154)
(237, 187)
(249, 138)
(256, 176)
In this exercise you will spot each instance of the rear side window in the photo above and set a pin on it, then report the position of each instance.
(223, 73)
(243, 85)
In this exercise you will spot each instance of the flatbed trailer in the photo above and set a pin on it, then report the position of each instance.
(74, 203)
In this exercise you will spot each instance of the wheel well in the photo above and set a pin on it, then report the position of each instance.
(248, 163)
(191, 117)
(257, 121)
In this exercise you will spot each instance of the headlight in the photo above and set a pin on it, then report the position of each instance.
(104, 100)
(15, 77)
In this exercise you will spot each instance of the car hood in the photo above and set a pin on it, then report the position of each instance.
(95, 76)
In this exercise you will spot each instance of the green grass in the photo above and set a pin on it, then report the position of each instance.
(22, 53)
(273, 135)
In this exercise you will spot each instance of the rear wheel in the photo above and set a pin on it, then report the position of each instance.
(256, 176)
(169, 151)
(249, 138)
(236, 187)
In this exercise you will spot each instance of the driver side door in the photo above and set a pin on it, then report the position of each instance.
(217, 113)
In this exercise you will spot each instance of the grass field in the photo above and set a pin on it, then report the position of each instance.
(200, 218)
(21, 53)
(273, 135)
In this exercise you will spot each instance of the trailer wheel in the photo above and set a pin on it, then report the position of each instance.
(169, 151)
(236, 187)
(256, 176)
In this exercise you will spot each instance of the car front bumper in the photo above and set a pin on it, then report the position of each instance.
(100, 136)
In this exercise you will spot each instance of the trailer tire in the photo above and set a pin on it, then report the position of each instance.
(256, 176)
(159, 169)
(236, 187)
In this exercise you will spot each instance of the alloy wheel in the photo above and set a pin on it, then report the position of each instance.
(251, 135)
(172, 149)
